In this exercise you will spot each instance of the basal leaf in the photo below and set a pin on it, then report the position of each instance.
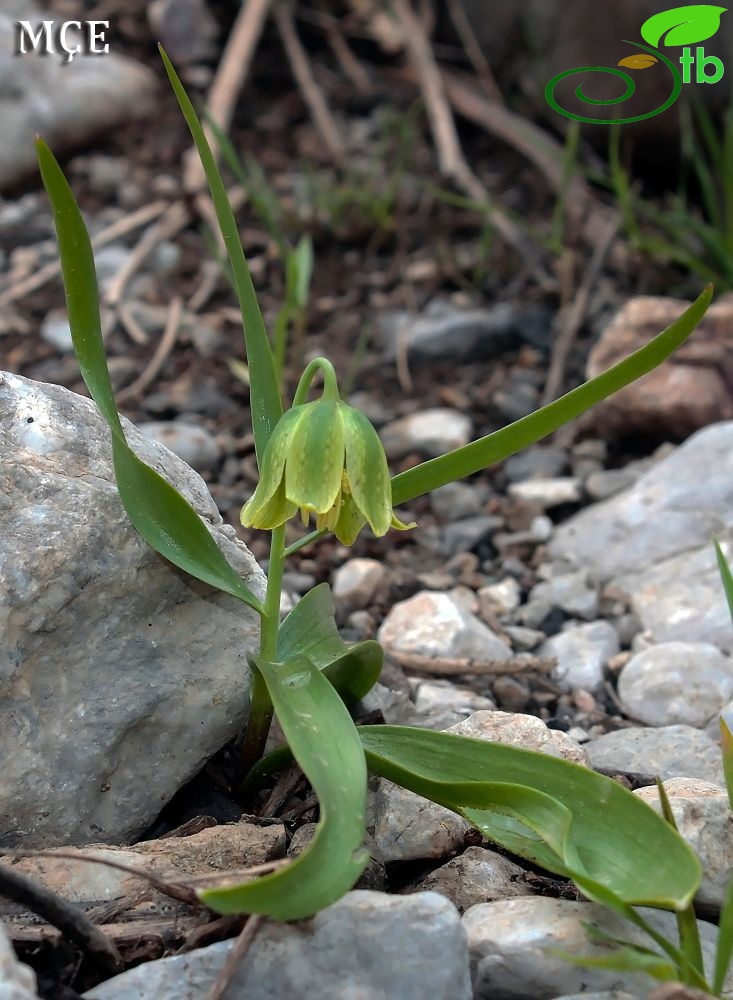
(682, 25)
(615, 839)
(493, 448)
(159, 513)
(724, 945)
(325, 743)
(310, 630)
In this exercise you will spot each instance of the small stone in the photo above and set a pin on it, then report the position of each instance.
(433, 625)
(676, 682)
(165, 258)
(512, 694)
(535, 463)
(433, 696)
(186, 28)
(443, 332)
(428, 432)
(194, 444)
(525, 731)
(670, 752)
(408, 827)
(547, 492)
(573, 592)
(609, 482)
(704, 819)
(56, 331)
(476, 876)
(511, 944)
(541, 528)
(465, 535)
(516, 399)
(454, 501)
(581, 652)
(368, 944)
(501, 597)
(524, 639)
(357, 583)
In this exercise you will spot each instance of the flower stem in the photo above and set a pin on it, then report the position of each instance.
(260, 706)
(330, 385)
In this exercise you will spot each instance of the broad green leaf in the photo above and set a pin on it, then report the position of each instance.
(265, 401)
(724, 945)
(310, 630)
(325, 743)
(682, 25)
(615, 839)
(159, 513)
(493, 448)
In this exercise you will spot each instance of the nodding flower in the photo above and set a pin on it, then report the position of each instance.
(324, 458)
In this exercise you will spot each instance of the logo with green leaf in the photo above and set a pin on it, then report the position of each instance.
(683, 27)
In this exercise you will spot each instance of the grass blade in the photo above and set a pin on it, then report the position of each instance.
(159, 513)
(265, 401)
(325, 742)
(501, 444)
(724, 947)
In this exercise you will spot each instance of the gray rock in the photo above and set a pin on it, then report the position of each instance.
(186, 28)
(195, 445)
(500, 597)
(523, 638)
(573, 592)
(358, 581)
(670, 752)
(704, 819)
(476, 876)
(367, 945)
(55, 330)
(681, 599)
(437, 696)
(445, 332)
(110, 657)
(434, 625)
(608, 482)
(547, 492)
(408, 827)
(605, 995)
(17, 981)
(90, 95)
(540, 462)
(428, 432)
(677, 506)
(581, 652)
(465, 535)
(455, 501)
(676, 682)
(510, 944)
(524, 731)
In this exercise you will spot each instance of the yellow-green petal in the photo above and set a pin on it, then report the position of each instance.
(350, 521)
(367, 471)
(271, 513)
(315, 459)
(264, 504)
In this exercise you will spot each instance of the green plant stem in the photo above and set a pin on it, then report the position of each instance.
(260, 705)
(330, 385)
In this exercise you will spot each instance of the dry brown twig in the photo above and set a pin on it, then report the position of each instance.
(164, 348)
(569, 321)
(169, 224)
(473, 50)
(312, 93)
(521, 663)
(228, 82)
(236, 956)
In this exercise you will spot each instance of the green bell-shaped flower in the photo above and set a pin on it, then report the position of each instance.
(324, 458)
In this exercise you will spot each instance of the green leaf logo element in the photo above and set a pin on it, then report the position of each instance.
(682, 25)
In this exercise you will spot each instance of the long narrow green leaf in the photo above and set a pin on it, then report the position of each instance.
(265, 401)
(501, 444)
(310, 630)
(159, 513)
(724, 946)
(325, 743)
(615, 839)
